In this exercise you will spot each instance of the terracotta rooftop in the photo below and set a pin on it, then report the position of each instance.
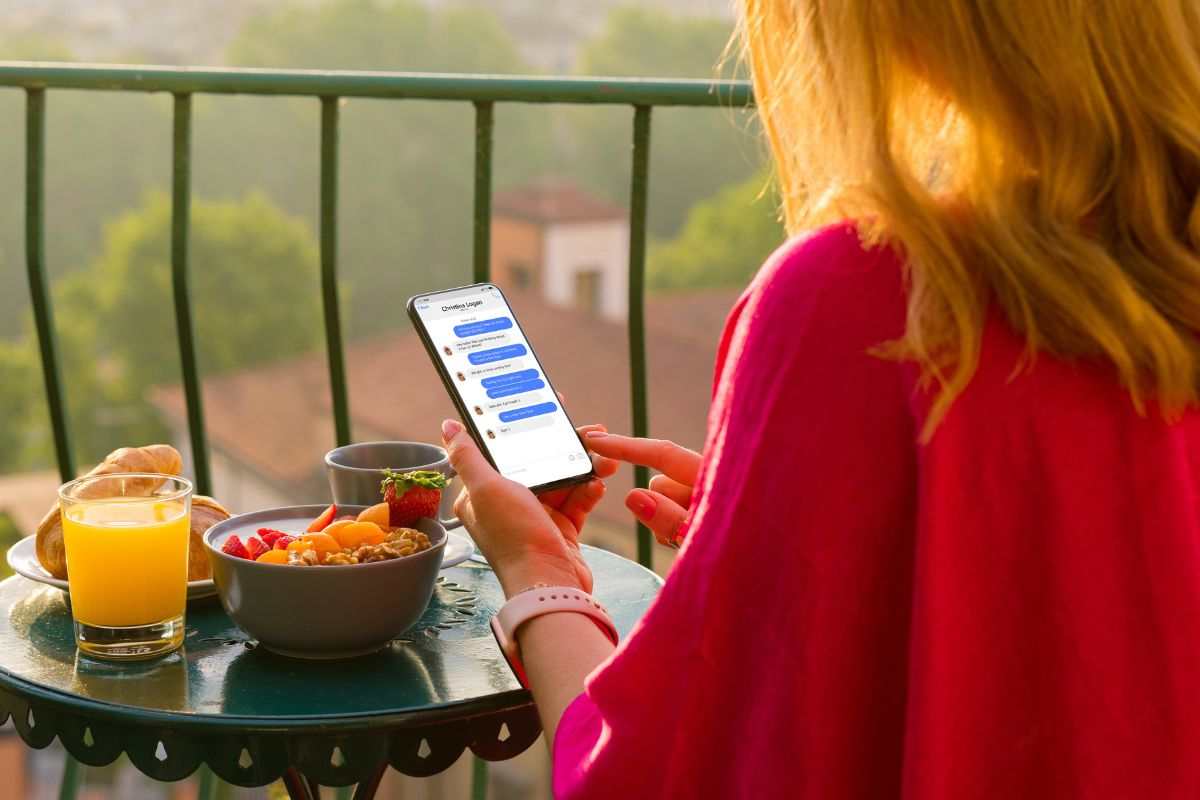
(545, 203)
(276, 420)
(26, 497)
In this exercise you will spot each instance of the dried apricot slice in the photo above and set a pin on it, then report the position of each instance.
(273, 557)
(360, 533)
(336, 525)
(380, 514)
(322, 543)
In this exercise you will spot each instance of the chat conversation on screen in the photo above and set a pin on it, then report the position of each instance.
(519, 376)
(537, 410)
(507, 397)
(513, 402)
(469, 329)
(483, 342)
(516, 388)
(524, 426)
(497, 354)
(496, 368)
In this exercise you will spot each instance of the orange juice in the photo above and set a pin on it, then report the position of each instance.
(127, 560)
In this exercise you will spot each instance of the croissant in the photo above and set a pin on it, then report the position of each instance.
(160, 458)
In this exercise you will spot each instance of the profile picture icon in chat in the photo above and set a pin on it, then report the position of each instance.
(479, 411)
(447, 350)
(460, 376)
(491, 434)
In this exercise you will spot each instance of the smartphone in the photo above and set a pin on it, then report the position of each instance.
(499, 387)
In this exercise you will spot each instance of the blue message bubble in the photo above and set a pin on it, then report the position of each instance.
(482, 326)
(527, 412)
(516, 388)
(512, 377)
(497, 354)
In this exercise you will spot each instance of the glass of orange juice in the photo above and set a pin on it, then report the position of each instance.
(126, 538)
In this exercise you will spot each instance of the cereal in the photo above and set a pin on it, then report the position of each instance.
(400, 542)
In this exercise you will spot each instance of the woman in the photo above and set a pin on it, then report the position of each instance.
(945, 537)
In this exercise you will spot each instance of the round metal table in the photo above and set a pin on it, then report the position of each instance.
(254, 717)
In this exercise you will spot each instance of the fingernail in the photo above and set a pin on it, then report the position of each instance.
(642, 505)
(450, 429)
(596, 434)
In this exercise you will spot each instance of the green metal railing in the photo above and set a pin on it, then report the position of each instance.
(641, 95)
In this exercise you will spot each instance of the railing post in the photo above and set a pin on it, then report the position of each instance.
(481, 272)
(329, 251)
(482, 254)
(640, 178)
(181, 179)
(68, 787)
(35, 264)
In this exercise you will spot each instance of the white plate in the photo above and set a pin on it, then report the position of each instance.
(22, 557)
(458, 549)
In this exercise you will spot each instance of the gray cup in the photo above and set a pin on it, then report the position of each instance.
(356, 471)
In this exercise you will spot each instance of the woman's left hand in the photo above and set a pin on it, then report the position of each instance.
(526, 539)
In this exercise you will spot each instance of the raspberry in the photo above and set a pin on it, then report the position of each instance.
(283, 541)
(269, 535)
(233, 546)
(255, 547)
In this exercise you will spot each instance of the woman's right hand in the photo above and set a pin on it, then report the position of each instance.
(663, 507)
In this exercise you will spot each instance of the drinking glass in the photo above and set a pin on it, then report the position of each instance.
(126, 538)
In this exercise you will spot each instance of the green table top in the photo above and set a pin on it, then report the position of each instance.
(444, 670)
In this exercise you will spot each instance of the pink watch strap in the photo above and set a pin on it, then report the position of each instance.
(538, 601)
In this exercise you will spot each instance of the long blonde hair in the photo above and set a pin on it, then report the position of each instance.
(1043, 156)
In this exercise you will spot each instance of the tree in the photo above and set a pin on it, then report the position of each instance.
(693, 152)
(724, 241)
(255, 299)
(9, 535)
(254, 289)
(19, 396)
(406, 166)
(104, 150)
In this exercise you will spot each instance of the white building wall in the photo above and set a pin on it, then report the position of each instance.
(574, 247)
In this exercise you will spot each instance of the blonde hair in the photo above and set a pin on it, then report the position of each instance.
(1043, 156)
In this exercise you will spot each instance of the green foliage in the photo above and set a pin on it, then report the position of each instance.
(9, 535)
(20, 400)
(693, 152)
(103, 151)
(724, 241)
(406, 167)
(254, 288)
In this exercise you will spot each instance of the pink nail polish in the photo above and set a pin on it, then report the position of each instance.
(595, 434)
(642, 505)
(450, 429)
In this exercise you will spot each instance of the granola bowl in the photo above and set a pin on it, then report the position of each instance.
(326, 611)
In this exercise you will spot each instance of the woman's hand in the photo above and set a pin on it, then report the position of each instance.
(526, 539)
(663, 507)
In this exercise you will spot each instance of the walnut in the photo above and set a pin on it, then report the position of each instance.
(340, 558)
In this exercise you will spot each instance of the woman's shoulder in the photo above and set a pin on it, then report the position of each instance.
(830, 277)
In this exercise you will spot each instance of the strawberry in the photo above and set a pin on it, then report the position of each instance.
(322, 521)
(256, 547)
(270, 535)
(234, 547)
(412, 495)
(282, 541)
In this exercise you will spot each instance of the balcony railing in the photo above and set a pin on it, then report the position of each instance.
(327, 88)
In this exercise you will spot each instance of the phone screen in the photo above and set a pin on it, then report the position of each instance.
(502, 390)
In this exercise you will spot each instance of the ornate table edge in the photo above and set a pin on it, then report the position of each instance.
(334, 752)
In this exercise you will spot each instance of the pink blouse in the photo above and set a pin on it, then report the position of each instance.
(1012, 610)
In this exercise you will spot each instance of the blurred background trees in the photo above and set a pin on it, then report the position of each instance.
(405, 190)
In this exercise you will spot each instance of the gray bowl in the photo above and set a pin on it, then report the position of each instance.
(321, 612)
